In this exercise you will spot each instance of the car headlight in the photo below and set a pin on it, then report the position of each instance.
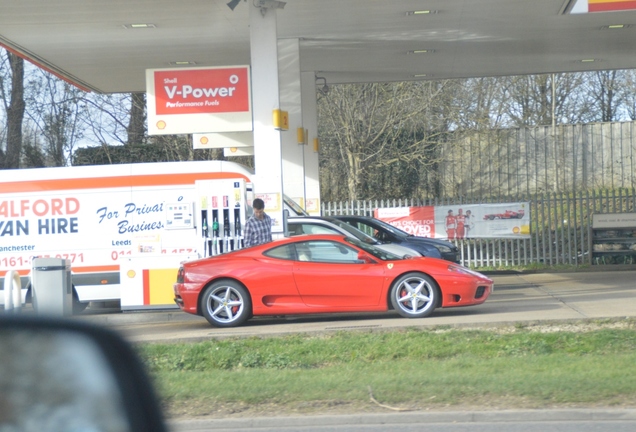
(464, 270)
(443, 249)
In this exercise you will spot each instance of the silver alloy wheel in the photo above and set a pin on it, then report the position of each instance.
(414, 295)
(225, 304)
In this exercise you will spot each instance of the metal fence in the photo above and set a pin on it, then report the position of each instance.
(559, 226)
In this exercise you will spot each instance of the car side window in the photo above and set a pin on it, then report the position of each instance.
(381, 235)
(295, 229)
(365, 228)
(303, 253)
(286, 252)
(325, 251)
(317, 229)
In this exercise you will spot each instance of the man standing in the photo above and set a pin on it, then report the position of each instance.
(460, 221)
(258, 228)
(469, 222)
(450, 225)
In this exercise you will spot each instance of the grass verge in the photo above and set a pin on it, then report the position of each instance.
(413, 369)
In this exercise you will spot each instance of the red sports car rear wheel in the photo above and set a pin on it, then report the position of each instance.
(226, 304)
(414, 295)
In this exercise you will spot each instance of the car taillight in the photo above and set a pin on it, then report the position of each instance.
(180, 275)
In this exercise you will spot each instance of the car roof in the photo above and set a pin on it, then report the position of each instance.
(300, 238)
(336, 224)
(382, 225)
(379, 223)
(361, 217)
(304, 218)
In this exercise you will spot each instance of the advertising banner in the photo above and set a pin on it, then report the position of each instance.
(458, 222)
(591, 6)
(198, 100)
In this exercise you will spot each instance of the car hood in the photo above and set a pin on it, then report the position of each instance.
(397, 249)
(428, 240)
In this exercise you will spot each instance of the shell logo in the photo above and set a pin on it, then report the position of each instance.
(131, 274)
(161, 124)
(204, 140)
(516, 230)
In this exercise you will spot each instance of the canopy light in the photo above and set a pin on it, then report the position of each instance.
(139, 26)
(422, 12)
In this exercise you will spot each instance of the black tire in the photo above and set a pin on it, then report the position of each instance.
(415, 295)
(226, 303)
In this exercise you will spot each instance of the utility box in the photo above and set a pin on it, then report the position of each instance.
(52, 287)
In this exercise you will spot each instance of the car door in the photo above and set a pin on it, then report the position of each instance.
(331, 278)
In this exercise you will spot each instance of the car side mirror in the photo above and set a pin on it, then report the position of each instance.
(365, 258)
(78, 376)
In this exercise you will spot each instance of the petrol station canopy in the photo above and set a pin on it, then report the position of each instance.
(106, 45)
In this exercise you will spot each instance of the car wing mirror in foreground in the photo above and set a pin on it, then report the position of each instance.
(62, 375)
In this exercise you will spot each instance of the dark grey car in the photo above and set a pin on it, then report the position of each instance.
(322, 225)
(388, 233)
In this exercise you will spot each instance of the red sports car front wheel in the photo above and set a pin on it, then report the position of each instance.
(226, 304)
(415, 295)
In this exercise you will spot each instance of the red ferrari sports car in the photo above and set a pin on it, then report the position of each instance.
(322, 274)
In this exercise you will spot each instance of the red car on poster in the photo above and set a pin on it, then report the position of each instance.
(312, 274)
(508, 214)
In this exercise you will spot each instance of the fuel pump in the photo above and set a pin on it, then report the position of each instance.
(222, 223)
(215, 233)
(205, 233)
(226, 224)
(238, 234)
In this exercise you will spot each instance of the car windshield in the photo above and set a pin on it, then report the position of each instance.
(355, 232)
(390, 228)
(375, 251)
(293, 205)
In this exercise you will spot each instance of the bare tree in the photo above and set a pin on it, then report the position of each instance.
(359, 121)
(54, 107)
(136, 129)
(380, 138)
(538, 100)
(604, 90)
(480, 104)
(629, 94)
(107, 118)
(12, 94)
